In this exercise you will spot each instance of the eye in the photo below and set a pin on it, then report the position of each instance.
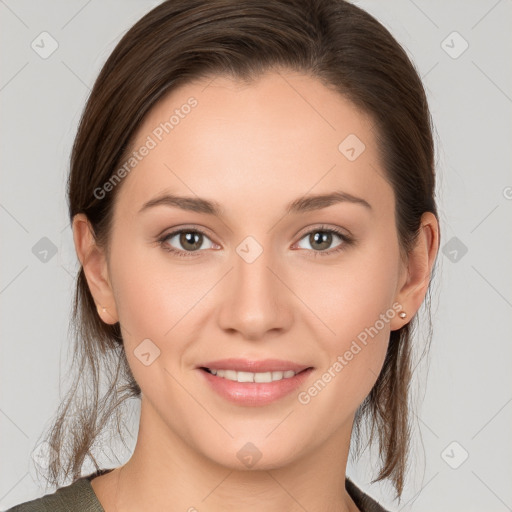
(321, 239)
(189, 239)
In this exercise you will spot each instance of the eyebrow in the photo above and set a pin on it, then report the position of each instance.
(302, 204)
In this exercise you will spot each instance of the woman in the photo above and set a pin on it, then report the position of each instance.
(252, 201)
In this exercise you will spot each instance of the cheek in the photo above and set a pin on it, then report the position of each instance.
(152, 293)
(358, 317)
(154, 303)
(349, 296)
(160, 301)
(353, 310)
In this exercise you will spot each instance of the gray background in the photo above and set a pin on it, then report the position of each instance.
(464, 409)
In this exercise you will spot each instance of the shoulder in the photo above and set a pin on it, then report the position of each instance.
(364, 502)
(76, 497)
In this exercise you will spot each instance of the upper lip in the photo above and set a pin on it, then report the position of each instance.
(255, 366)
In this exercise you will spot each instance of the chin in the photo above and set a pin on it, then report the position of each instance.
(247, 455)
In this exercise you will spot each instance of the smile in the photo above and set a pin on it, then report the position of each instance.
(241, 376)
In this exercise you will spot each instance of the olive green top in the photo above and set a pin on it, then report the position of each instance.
(80, 497)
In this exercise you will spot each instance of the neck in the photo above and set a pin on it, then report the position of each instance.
(170, 474)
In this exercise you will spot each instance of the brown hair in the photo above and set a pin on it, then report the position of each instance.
(180, 40)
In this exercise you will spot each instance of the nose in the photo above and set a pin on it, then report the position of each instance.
(255, 298)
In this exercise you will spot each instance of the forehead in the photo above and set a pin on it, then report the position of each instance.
(284, 132)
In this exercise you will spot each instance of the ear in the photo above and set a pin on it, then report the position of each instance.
(416, 277)
(94, 263)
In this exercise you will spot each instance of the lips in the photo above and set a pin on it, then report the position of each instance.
(247, 382)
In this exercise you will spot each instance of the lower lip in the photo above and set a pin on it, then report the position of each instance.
(255, 393)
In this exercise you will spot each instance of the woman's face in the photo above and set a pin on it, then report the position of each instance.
(264, 281)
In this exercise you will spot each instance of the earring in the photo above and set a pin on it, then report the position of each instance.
(102, 309)
(402, 314)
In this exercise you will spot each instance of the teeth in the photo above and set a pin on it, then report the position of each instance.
(252, 377)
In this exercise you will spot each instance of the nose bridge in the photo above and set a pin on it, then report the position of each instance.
(252, 265)
(255, 301)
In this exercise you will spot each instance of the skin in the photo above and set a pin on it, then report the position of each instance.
(253, 149)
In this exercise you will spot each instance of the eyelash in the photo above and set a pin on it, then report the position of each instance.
(347, 241)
